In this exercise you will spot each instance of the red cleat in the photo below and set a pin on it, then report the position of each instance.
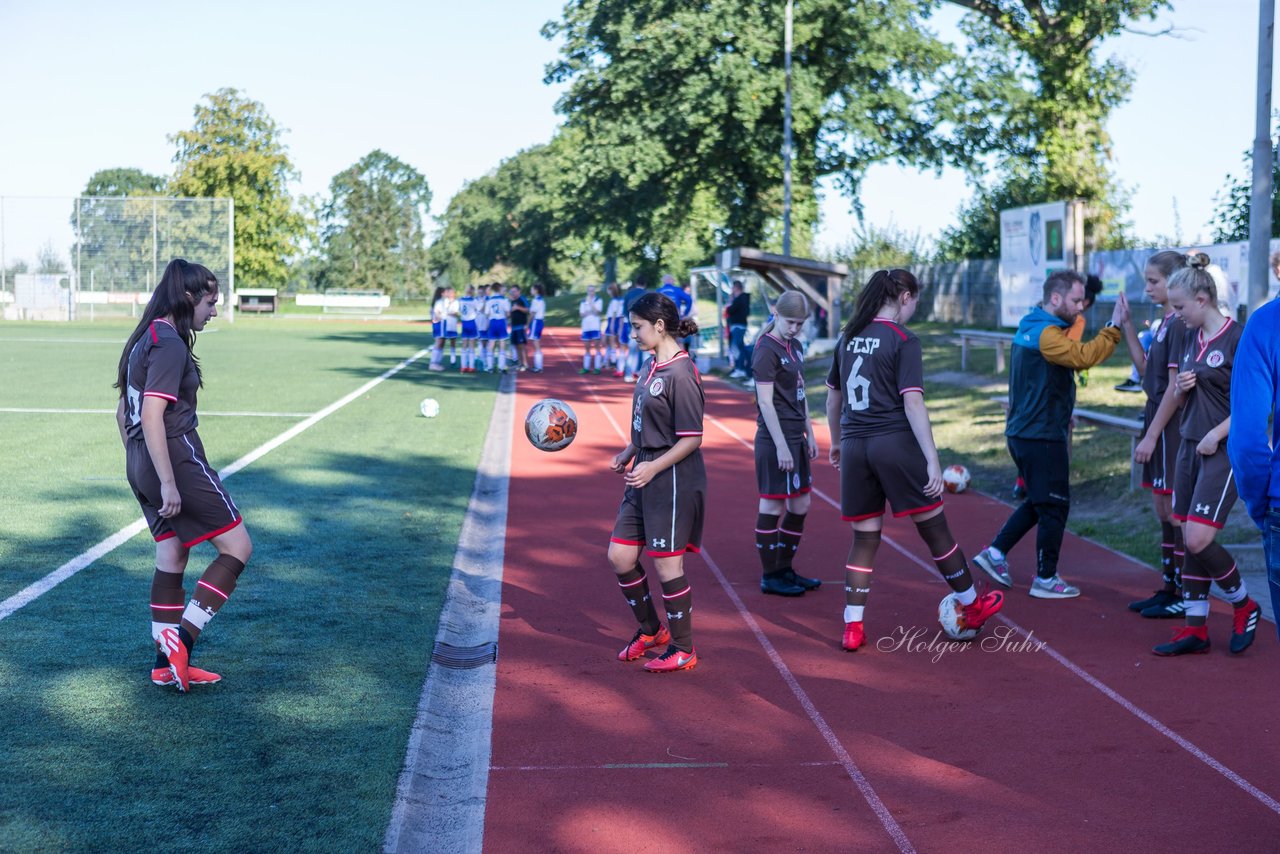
(642, 643)
(672, 660)
(1189, 640)
(853, 636)
(162, 677)
(1244, 623)
(172, 648)
(983, 609)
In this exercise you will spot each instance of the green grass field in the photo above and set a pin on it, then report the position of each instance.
(324, 645)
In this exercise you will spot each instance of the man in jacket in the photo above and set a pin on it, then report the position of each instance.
(1042, 396)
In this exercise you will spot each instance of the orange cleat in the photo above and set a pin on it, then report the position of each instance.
(672, 660)
(172, 648)
(195, 676)
(642, 643)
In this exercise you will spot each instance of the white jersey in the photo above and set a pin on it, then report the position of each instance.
(467, 309)
(615, 308)
(450, 315)
(438, 311)
(590, 310)
(497, 307)
(539, 308)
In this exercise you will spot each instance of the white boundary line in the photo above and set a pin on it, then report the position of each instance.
(35, 590)
(18, 410)
(1262, 797)
(443, 787)
(833, 742)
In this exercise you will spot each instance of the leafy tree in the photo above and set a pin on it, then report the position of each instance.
(371, 228)
(672, 100)
(48, 260)
(234, 149)
(873, 247)
(1032, 92)
(1231, 214)
(114, 236)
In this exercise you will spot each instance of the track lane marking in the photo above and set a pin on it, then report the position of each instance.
(1111, 694)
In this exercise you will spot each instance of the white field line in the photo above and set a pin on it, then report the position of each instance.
(22, 410)
(36, 589)
(1147, 718)
(833, 742)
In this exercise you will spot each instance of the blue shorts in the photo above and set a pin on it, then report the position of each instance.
(469, 330)
(497, 330)
(590, 336)
(437, 329)
(611, 325)
(451, 332)
(624, 332)
(518, 335)
(536, 332)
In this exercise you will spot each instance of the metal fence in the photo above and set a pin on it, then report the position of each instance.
(966, 292)
(62, 258)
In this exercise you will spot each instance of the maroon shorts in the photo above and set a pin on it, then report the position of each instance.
(207, 508)
(772, 481)
(1157, 472)
(888, 467)
(665, 516)
(1204, 489)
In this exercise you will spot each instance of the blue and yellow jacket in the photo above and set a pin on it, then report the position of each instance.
(1042, 386)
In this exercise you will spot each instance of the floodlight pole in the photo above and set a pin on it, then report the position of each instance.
(786, 136)
(231, 260)
(1260, 201)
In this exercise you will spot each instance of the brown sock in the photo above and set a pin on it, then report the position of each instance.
(677, 597)
(210, 594)
(1167, 547)
(1221, 567)
(1195, 590)
(945, 552)
(635, 587)
(1179, 555)
(167, 597)
(790, 529)
(857, 571)
(767, 542)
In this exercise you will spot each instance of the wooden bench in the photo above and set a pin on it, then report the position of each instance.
(1131, 426)
(348, 302)
(983, 336)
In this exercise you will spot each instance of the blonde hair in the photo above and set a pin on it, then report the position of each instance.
(792, 305)
(1196, 277)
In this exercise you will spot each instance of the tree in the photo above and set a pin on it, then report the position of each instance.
(235, 150)
(1032, 93)
(113, 235)
(1231, 214)
(371, 228)
(672, 100)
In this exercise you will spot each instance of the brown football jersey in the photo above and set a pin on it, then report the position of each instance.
(1166, 348)
(667, 403)
(160, 365)
(1209, 403)
(873, 370)
(781, 363)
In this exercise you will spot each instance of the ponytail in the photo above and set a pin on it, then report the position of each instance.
(884, 286)
(181, 286)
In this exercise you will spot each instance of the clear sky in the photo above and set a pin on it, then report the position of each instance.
(452, 88)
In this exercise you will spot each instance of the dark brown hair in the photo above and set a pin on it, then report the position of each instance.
(655, 306)
(181, 286)
(883, 286)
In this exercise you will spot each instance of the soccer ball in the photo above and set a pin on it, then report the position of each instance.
(429, 407)
(947, 610)
(551, 425)
(955, 478)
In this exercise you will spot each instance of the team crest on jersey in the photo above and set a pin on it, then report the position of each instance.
(655, 387)
(1160, 335)
(1215, 359)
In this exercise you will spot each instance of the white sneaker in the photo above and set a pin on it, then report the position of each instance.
(736, 374)
(1053, 588)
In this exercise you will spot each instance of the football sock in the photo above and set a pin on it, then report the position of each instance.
(167, 598)
(586, 361)
(789, 531)
(436, 355)
(1166, 556)
(677, 597)
(599, 361)
(945, 551)
(1179, 554)
(635, 587)
(853, 613)
(210, 594)
(1195, 589)
(967, 597)
(767, 542)
(537, 360)
(1221, 567)
(857, 571)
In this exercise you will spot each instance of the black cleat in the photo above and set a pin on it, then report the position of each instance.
(800, 580)
(777, 584)
(1176, 608)
(1186, 640)
(1160, 599)
(1244, 625)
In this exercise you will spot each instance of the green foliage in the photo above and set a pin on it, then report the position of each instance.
(674, 100)
(235, 150)
(371, 228)
(114, 236)
(874, 247)
(1032, 96)
(1231, 213)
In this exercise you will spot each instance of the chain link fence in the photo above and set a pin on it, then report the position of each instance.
(84, 257)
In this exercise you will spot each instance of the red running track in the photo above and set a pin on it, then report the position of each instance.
(781, 741)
